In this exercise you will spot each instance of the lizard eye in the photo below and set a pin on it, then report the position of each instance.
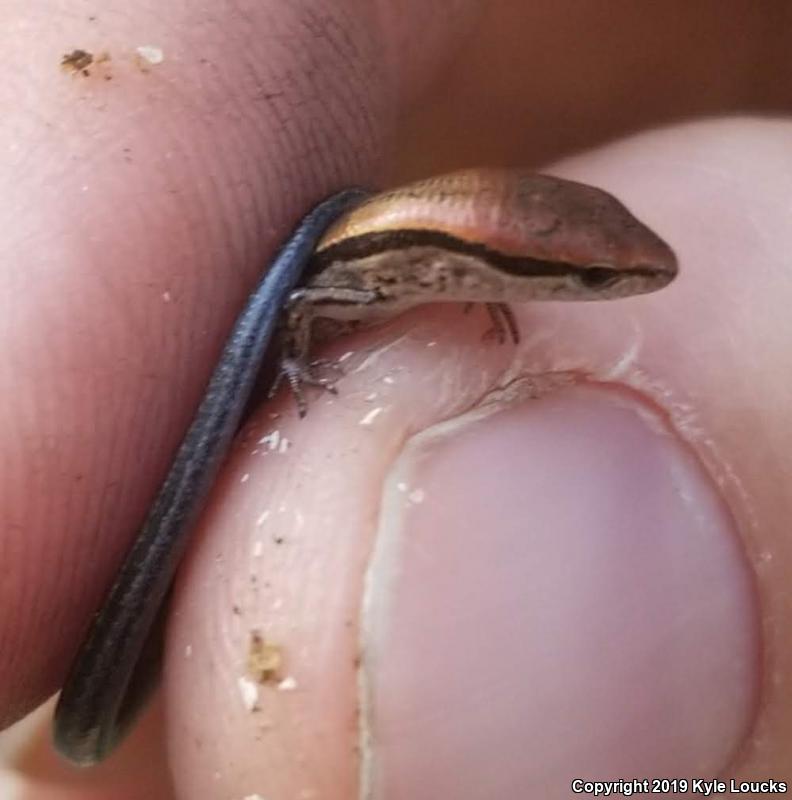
(598, 277)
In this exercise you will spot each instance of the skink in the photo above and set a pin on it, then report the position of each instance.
(484, 236)
(118, 662)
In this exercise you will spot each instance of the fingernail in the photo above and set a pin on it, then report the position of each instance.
(557, 592)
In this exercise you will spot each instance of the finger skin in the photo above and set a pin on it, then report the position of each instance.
(543, 79)
(147, 194)
(286, 548)
(31, 506)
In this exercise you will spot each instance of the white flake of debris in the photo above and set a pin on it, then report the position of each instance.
(433, 343)
(345, 357)
(166, 297)
(188, 651)
(288, 684)
(371, 416)
(258, 548)
(272, 440)
(245, 478)
(389, 380)
(402, 486)
(370, 398)
(285, 444)
(153, 55)
(263, 517)
(417, 496)
(254, 797)
(249, 693)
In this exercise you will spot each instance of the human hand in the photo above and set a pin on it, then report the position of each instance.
(102, 399)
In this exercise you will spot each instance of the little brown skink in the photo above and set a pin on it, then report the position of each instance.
(489, 236)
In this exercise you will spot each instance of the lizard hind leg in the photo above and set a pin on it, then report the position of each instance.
(502, 319)
(503, 322)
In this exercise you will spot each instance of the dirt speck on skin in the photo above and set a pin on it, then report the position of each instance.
(264, 660)
(78, 61)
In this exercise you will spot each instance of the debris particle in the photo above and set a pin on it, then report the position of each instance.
(166, 297)
(371, 416)
(288, 684)
(245, 478)
(262, 518)
(271, 440)
(264, 659)
(389, 380)
(249, 693)
(417, 496)
(402, 486)
(188, 651)
(150, 54)
(258, 548)
(77, 61)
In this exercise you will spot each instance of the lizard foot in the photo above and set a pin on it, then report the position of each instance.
(299, 374)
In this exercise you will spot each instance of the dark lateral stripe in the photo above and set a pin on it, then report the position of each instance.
(369, 244)
(383, 241)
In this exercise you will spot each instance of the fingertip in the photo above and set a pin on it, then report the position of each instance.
(561, 579)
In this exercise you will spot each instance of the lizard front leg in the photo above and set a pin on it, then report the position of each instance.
(302, 308)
